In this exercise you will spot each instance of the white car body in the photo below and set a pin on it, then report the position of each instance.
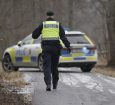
(26, 53)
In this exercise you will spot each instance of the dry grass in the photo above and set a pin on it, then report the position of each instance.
(110, 71)
(12, 78)
(103, 69)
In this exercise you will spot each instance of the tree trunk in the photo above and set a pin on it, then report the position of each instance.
(111, 31)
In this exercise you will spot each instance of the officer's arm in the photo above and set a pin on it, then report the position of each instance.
(37, 32)
(63, 37)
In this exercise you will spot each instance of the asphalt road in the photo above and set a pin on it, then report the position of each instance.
(75, 88)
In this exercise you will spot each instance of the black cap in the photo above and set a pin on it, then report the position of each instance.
(50, 13)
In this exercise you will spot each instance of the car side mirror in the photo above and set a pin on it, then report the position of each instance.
(19, 43)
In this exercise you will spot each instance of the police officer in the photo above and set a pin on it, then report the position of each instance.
(51, 31)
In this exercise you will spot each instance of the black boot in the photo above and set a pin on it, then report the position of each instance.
(55, 86)
(48, 88)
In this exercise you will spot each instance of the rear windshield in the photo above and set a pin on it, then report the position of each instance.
(77, 39)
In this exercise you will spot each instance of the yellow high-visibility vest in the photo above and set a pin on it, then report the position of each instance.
(50, 30)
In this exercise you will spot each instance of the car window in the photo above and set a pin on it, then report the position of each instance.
(38, 40)
(28, 40)
(77, 39)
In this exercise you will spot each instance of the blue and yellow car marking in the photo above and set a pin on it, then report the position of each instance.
(33, 59)
(18, 59)
(66, 59)
(91, 58)
(26, 59)
(12, 53)
(65, 53)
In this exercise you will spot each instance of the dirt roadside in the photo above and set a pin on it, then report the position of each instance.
(109, 71)
(13, 89)
(101, 67)
(7, 95)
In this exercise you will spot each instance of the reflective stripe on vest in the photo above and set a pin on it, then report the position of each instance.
(50, 30)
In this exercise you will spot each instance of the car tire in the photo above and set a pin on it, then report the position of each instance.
(7, 64)
(15, 68)
(40, 62)
(87, 68)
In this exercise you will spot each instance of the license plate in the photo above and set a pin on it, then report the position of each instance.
(79, 58)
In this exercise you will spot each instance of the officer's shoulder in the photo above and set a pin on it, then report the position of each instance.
(41, 23)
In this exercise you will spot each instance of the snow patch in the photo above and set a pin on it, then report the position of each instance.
(69, 80)
(65, 69)
(27, 78)
(75, 80)
(112, 81)
(26, 90)
(90, 83)
(29, 88)
(95, 86)
(112, 91)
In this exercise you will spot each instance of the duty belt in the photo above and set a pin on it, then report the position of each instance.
(50, 38)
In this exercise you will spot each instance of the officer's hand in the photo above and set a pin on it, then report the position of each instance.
(69, 49)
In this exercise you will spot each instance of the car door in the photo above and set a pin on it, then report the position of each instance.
(23, 53)
(36, 51)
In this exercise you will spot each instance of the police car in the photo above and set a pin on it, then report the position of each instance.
(28, 53)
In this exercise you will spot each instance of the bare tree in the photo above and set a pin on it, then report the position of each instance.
(70, 3)
(111, 31)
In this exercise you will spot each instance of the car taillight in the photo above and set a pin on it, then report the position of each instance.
(89, 50)
(92, 48)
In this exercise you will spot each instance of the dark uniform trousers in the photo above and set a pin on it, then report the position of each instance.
(50, 63)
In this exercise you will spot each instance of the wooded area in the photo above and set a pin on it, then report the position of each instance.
(18, 18)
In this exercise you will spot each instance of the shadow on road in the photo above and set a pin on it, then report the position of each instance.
(60, 71)
(29, 71)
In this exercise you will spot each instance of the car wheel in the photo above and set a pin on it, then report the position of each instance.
(40, 62)
(7, 64)
(87, 68)
(15, 68)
